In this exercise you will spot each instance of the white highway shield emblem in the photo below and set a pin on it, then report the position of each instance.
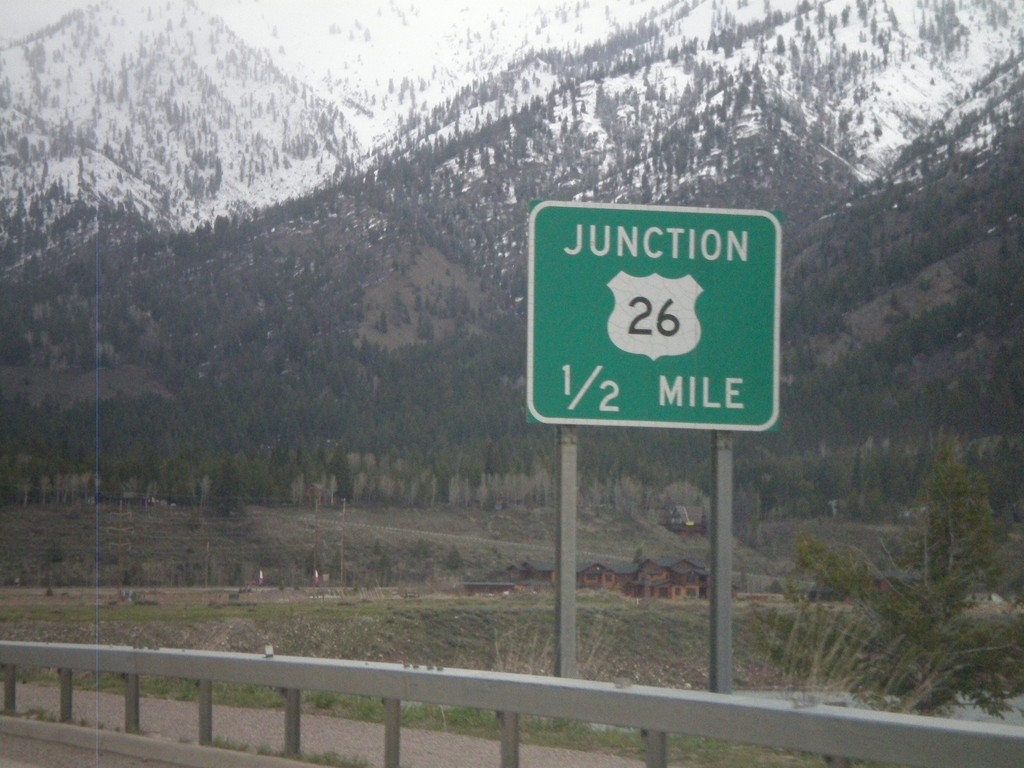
(654, 316)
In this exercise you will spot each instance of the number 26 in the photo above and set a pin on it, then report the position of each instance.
(666, 323)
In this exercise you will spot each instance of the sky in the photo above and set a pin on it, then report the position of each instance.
(21, 17)
(408, 35)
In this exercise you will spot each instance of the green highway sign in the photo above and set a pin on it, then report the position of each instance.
(653, 316)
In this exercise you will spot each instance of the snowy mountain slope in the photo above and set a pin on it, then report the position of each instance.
(381, 63)
(164, 109)
(161, 109)
(700, 105)
(859, 83)
(186, 112)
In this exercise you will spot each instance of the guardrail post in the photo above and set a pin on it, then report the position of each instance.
(657, 748)
(131, 703)
(292, 721)
(10, 690)
(392, 732)
(206, 712)
(509, 724)
(65, 694)
(833, 761)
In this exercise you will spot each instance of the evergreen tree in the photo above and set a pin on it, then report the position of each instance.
(226, 488)
(910, 639)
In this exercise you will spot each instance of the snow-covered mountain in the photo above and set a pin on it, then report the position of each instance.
(183, 112)
(187, 111)
(380, 63)
(271, 224)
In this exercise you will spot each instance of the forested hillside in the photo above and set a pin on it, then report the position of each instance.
(902, 325)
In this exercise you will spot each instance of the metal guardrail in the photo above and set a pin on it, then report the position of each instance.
(814, 728)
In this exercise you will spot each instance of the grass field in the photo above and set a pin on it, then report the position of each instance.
(650, 642)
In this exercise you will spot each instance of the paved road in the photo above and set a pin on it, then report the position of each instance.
(21, 752)
(171, 727)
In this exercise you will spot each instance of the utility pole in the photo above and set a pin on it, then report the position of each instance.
(316, 534)
(122, 528)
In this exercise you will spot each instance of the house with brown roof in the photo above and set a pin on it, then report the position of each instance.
(595, 576)
(669, 579)
(693, 576)
(676, 578)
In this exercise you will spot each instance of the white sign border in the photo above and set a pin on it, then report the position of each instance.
(531, 310)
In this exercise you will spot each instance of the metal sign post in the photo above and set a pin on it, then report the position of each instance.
(565, 545)
(721, 565)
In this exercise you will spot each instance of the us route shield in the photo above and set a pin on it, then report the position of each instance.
(666, 323)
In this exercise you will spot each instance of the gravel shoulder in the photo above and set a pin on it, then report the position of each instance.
(23, 752)
(263, 731)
